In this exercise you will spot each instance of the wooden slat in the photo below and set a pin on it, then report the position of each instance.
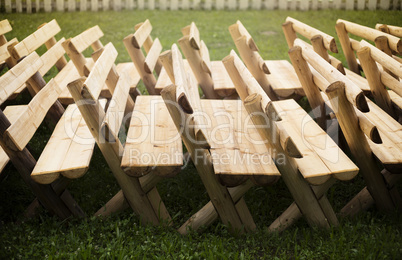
(283, 78)
(142, 34)
(358, 80)
(235, 151)
(50, 57)
(68, 150)
(394, 30)
(97, 77)
(25, 127)
(223, 85)
(12, 113)
(36, 39)
(68, 74)
(206, 62)
(152, 138)
(4, 54)
(395, 98)
(152, 57)
(82, 41)
(5, 27)
(321, 155)
(371, 34)
(386, 61)
(18, 75)
(115, 112)
(309, 32)
(241, 30)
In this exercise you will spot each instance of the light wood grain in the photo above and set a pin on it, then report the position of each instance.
(5, 27)
(223, 85)
(152, 139)
(35, 40)
(85, 39)
(68, 151)
(18, 75)
(52, 56)
(392, 29)
(32, 118)
(310, 32)
(371, 34)
(346, 45)
(4, 54)
(153, 56)
(141, 34)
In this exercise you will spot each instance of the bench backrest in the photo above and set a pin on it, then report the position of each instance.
(5, 56)
(390, 29)
(44, 35)
(321, 42)
(386, 42)
(22, 130)
(197, 54)
(145, 65)
(76, 45)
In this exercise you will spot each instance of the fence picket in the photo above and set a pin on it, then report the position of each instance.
(174, 5)
(243, 5)
(372, 4)
(29, 6)
(350, 4)
(304, 5)
(384, 4)
(361, 4)
(48, 5)
(95, 5)
(283, 5)
(19, 6)
(151, 5)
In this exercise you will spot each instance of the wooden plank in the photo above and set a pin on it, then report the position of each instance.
(223, 85)
(100, 71)
(36, 39)
(68, 150)
(174, 5)
(50, 57)
(336, 4)
(283, 79)
(350, 4)
(4, 54)
(256, 4)
(94, 5)
(234, 149)
(206, 62)
(152, 138)
(386, 61)
(153, 56)
(372, 4)
(18, 5)
(310, 32)
(270, 4)
(85, 39)
(36, 112)
(141, 34)
(83, 5)
(5, 27)
(18, 75)
(151, 4)
(394, 30)
(396, 99)
(321, 155)
(162, 4)
(140, 4)
(185, 5)
(68, 74)
(115, 112)
(314, 5)
(371, 34)
(358, 80)
(283, 5)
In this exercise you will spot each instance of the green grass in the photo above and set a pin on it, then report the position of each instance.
(369, 235)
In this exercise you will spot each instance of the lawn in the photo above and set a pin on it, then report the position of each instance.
(370, 235)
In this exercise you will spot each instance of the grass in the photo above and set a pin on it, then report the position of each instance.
(369, 235)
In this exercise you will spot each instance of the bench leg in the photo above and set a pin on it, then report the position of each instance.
(363, 200)
(208, 214)
(293, 213)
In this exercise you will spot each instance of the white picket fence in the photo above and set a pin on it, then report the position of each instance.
(29, 6)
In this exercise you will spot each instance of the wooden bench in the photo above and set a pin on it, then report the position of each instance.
(310, 165)
(74, 48)
(210, 75)
(385, 42)
(366, 127)
(277, 78)
(142, 196)
(19, 128)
